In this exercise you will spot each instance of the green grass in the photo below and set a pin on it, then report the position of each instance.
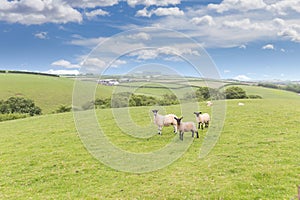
(47, 92)
(256, 157)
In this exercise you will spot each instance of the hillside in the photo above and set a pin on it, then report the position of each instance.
(256, 157)
(47, 92)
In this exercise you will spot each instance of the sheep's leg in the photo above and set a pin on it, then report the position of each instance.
(198, 125)
(192, 133)
(159, 130)
(202, 126)
(175, 129)
(181, 135)
(197, 134)
(206, 124)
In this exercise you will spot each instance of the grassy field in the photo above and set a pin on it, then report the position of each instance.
(256, 157)
(47, 92)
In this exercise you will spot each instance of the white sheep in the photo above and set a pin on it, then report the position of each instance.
(164, 120)
(241, 104)
(209, 103)
(185, 127)
(202, 119)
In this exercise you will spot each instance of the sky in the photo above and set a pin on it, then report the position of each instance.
(239, 39)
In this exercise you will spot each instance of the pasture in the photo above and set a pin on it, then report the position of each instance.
(256, 157)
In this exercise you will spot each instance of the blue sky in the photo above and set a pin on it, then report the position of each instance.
(247, 40)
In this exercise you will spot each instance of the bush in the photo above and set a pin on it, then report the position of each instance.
(12, 116)
(206, 93)
(235, 93)
(19, 105)
(254, 96)
(63, 108)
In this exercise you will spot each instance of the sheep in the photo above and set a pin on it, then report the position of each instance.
(186, 126)
(202, 119)
(209, 103)
(164, 120)
(241, 104)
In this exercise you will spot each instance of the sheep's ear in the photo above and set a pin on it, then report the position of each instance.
(181, 117)
(195, 113)
(176, 118)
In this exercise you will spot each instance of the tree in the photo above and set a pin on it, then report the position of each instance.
(19, 105)
(235, 93)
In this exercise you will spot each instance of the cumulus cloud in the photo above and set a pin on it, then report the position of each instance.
(242, 5)
(146, 54)
(62, 72)
(41, 35)
(64, 64)
(38, 12)
(140, 36)
(205, 20)
(152, 2)
(174, 11)
(95, 13)
(290, 33)
(242, 78)
(269, 46)
(118, 62)
(91, 3)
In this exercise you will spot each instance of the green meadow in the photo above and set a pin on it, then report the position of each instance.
(256, 156)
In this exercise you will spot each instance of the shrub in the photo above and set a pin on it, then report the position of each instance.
(254, 96)
(63, 108)
(235, 93)
(12, 116)
(19, 105)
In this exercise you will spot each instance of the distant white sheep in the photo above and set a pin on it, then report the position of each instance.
(202, 119)
(164, 120)
(209, 103)
(185, 127)
(241, 104)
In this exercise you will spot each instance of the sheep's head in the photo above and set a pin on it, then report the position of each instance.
(178, 120)
(154, 112)
(197, 113)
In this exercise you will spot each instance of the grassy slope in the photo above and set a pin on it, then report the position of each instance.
(257, 157)
(47, 92)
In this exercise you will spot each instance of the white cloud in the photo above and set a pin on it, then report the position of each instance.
(242, 78)
(152, 2)
(64, 64)
(205, 20)
(269, 46)
(282, 50)
(87, 42)
(41, 35)
(146, 54)
(118, 62)
(62, 72)
(38, 12)
(140, 36)
(95, 13)
(283, 7)
(241, 5)
(95, 62)
(242, 46)
(174, 11)
(92, 3)
(290, 33)
(226, 71)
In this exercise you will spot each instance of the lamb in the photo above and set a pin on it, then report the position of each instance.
(186, 126)
(202, 119)
(164, 120)
(209, 103)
